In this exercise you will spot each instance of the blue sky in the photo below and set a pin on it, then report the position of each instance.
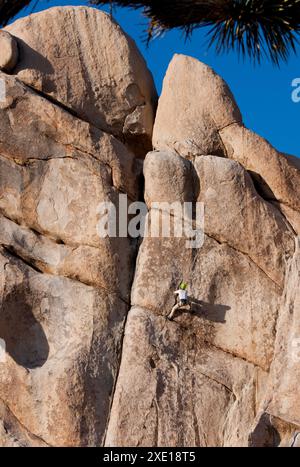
(262, 92)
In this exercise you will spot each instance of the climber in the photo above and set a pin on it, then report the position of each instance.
(182, 299)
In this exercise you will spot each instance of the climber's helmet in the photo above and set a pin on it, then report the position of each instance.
(183, 286)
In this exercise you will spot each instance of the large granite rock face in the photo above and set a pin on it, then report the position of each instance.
(202, 118)
(64, 291)
(260, 231)
(81, 58)
(283, 400)
(90, 357)
(186, 392)
(195, 104)
(204, 377)
(279, 417)
(225, 373)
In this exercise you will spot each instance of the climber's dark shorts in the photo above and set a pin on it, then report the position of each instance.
(183, 302)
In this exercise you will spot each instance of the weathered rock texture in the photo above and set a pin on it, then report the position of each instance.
(81, 58)
(65, 291)
(8, 51)
(90, 357)
(190, 116)
(202, 118)
(225, 374)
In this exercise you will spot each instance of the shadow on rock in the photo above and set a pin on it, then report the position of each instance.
(265, 433)
(37, 62)
(210, 311)
(24, 337)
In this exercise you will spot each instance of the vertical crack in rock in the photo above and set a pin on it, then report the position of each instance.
(121, 343)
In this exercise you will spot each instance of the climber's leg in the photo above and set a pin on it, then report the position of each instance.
(175, 307)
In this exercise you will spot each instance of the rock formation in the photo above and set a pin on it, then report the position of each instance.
(82, 59)
(208, 378)
(9, 51)
(90, 358)
(64, 290)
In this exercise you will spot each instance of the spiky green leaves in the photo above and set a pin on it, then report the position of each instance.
(256, 28)
(9, 8)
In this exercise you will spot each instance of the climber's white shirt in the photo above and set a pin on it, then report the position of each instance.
(182, 294)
